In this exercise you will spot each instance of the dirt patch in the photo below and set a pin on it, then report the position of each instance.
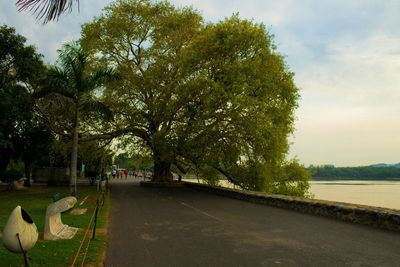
(91, 200)
(101, 231)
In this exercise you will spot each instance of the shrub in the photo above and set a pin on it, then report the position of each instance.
(11, 174)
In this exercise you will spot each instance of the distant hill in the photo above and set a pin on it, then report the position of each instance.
(384, 165)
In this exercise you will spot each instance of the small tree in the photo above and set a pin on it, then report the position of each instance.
(74, 83)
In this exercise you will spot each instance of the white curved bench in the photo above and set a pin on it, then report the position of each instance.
(54, 228)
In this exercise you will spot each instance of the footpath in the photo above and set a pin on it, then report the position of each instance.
(185, 227)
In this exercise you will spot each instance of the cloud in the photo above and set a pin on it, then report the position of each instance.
(352, 136)
(359, 72)
(50, 37)
(349, 108)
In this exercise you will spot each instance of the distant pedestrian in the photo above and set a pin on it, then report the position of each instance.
(118, 173)
(126, 173)
(114, 173)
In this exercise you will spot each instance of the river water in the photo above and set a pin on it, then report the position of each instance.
(384, 194)
(373, 193)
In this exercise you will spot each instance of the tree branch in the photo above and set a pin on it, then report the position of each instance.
(107, 136)
(229, 177)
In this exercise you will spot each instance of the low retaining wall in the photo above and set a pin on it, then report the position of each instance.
(378, 217)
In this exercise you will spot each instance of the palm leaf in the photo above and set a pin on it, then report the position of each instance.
(46, 10)
(73, 61)
(57, 82)
(100, 77)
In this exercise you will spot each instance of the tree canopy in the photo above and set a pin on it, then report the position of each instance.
(217, 98)
(21, 73)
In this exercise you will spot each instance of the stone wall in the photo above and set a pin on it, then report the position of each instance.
(377, 217)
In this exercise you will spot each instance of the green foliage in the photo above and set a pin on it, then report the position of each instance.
(124, 161)
(134, 161)
(210, 176)
(23, 134)
(74, 82)
(94, 152)
(364, 172)
(294, 180)
(218, 98)
(18, 61)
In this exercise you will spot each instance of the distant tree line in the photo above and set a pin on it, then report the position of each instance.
(364, 172)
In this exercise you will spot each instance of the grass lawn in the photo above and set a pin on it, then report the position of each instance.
(60, 252)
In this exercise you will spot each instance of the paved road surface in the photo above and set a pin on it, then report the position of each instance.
(184, 227)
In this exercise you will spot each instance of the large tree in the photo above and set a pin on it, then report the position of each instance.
(21, 72)
(73, 85)
(214, 97)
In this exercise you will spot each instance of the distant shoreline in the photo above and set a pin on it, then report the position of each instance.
(325, 179)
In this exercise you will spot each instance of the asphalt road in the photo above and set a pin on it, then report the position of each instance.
(184, 227)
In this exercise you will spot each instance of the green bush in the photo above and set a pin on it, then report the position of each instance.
(11, 174)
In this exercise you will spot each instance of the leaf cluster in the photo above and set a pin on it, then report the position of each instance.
(22, 132)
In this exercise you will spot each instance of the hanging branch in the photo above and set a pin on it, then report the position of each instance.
(46, 10)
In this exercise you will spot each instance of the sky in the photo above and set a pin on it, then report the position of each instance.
(345, 56)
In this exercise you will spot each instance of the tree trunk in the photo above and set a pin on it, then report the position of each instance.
(27, 170)
(162, 159)
(74, 154)
(5, 157)
(74, 160)
(162, 172)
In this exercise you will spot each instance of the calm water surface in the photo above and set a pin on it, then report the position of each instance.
(373, 193)
(384, 194)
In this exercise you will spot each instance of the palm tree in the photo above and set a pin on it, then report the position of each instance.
(74, 83)
(47, 10)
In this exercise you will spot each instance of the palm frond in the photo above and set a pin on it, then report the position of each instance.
(73, 60)
(46, 10)
(57, 82)
(100, 77)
